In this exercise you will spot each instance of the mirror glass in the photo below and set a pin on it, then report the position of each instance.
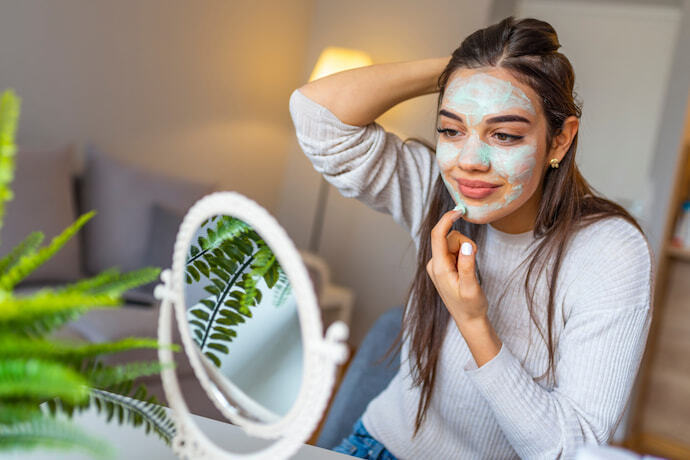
(243, 317)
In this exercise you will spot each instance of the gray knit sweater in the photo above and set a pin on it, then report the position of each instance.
(500, 410)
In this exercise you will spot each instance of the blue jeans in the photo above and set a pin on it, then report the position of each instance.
(363, 445)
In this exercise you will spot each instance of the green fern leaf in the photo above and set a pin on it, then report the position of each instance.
(134, 408)
(197, 323)
(228, 228)
(47, 432)
(225, 330)
(9, 116)
(208, 303)
(219, 336)
(228, 321)
(283, 287)
(234, 304)
(227, 264)
(46, 310)
(202, 267)
(112, 282)
(36, 379)
(18, 411)
(232, 316)
(218, 283)
(210, 355)
(244, 246)
(212, 237)
(31, 262)
(230, 245)
(263, 261)
(218, 346)
(198, 336)
(195, 274)
(236, 295)
(27, 246)
(271, 276)
(212, 290)
(16, 346)
(200, 314)
(219, 271)
(105, 376)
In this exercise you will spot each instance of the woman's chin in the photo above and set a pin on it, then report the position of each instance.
(476, 216)
(469, 217)
(476, 221)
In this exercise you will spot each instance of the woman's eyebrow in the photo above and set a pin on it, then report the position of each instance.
(498, 119)
(450, 115)
(505, 118)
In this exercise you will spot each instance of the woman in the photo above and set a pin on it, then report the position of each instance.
(529, 311)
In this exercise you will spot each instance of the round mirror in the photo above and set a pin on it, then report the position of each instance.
(250, 326)
(242, 315)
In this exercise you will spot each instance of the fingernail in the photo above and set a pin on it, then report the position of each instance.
(466, 249)
(460, 208)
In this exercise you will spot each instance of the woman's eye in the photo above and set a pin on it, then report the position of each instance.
(503, 137)
(448, 132)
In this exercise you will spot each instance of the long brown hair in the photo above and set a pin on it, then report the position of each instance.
(528, 49)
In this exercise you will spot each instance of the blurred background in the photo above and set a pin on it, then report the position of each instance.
(198, 92)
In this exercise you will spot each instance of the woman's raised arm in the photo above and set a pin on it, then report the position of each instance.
(359, 96)
(334, 122)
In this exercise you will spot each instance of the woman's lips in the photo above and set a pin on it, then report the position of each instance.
(477, 192)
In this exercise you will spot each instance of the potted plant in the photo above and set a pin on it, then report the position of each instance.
(42, 377)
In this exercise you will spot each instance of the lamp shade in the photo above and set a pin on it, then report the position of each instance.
(334, 59)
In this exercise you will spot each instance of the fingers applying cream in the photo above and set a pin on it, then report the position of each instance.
(460, 207)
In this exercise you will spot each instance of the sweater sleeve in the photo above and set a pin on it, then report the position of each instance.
(366, 162)
(598, 357)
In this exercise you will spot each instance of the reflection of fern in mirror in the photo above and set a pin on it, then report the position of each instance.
(67, 375)
(234, 259)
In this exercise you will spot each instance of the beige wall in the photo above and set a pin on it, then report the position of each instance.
(367, 250)
(192, 89)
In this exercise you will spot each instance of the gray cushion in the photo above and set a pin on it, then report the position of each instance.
(123, 196)
(163, 226)
(164, 223)
(43, 201)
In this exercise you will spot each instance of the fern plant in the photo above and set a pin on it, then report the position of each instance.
(67, 375)
(232, 259)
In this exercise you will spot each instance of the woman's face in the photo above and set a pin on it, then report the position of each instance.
(492, 129)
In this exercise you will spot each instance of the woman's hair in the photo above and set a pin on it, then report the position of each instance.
(528, 49)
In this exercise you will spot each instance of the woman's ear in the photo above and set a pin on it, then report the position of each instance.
(561, 142)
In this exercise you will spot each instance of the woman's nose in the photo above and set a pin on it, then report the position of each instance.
(474, 155)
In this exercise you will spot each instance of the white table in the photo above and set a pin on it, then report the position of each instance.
(134, 443)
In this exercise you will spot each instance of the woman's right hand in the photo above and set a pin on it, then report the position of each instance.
(359, 96)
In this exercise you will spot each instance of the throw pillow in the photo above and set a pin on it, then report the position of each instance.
(43, 201)
(123, 197)
(164, 224)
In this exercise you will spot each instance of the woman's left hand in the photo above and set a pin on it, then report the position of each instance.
(453, 272)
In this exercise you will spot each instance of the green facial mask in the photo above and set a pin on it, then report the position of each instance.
(473, 99)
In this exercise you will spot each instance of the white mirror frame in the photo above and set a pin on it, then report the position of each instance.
(320, 355)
